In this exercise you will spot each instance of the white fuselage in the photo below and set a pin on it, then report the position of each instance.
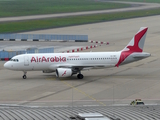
(51, 61)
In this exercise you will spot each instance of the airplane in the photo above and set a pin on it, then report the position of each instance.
(68, 64)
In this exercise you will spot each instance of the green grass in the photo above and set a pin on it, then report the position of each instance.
(34, 7)
(151, 1)
(19, 26)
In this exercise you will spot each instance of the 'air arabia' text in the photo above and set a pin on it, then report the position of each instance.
(48, 59)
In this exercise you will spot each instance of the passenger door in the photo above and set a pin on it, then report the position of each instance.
(26, 61)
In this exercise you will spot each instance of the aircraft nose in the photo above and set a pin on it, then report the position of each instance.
(6, 65)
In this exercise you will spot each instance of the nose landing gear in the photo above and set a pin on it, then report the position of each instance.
(24, 76)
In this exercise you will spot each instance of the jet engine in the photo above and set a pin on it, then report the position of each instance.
(63, 72)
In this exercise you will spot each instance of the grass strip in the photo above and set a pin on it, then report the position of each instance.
(37, 7)
(150, 1)
(21, 26)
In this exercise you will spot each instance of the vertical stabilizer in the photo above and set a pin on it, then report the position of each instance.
(135, 45)
(137, 42)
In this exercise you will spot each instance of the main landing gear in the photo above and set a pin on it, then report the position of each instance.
(24, 76)
(80, 76)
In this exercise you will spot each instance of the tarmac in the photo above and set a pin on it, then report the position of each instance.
(102, 87)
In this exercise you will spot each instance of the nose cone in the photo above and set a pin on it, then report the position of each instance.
(6, 65)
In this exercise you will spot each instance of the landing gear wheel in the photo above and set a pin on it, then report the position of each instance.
(24, 76)
(80, 76)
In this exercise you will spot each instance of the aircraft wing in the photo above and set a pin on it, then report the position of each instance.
(87, 66)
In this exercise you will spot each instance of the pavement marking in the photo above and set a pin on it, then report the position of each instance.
(82, 92)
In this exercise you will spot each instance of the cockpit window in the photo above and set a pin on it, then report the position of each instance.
(15, 60)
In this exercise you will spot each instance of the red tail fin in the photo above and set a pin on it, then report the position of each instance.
(135, 45)
(137, 42)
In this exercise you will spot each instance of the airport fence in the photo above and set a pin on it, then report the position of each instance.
(7, 55)
(43, 37)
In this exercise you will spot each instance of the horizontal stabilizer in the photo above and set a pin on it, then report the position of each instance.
(141, 55)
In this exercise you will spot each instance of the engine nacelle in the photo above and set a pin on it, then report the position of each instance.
(63, 72)
(48, 71)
